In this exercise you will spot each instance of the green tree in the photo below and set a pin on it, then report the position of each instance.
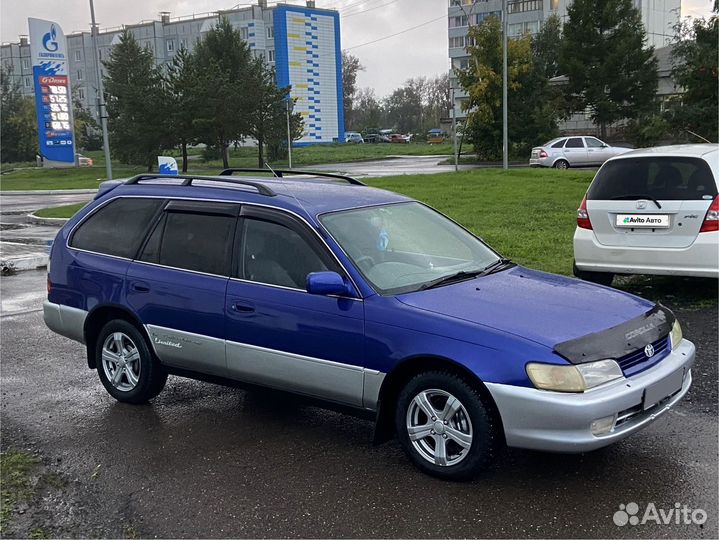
(87, 132)
(137, 103)
(351, 66)
(226, 92)
(694, 57)
(18, 123)
(268, 119)
(368, 110)
(182, 89)
(608, 67)
(531, 115)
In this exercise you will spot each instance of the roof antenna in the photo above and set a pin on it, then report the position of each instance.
(272, 170)
(698, 136)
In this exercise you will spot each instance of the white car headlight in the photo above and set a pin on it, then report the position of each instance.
(576, 378)
(676, 334)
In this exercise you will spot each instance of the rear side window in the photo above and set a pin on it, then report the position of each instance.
(199, 242)
(559, 144)
(117, 228)
(661, 178)
(575, 142)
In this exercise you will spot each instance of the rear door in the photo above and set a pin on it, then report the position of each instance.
(650, 201)
(178, 284)
(575, 151)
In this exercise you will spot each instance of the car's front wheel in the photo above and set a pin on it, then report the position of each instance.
(127, 367)
(444, 426)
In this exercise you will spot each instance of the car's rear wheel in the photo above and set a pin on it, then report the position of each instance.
(602, 278)
(444, 426)
(125, 364)
(562, 164)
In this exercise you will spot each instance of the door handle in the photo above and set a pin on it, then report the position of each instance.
(140, 287)
(242, 307)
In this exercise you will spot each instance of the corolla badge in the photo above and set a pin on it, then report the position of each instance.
(48, 40)
(649, 350)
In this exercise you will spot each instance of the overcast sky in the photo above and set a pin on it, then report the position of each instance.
(388, 63)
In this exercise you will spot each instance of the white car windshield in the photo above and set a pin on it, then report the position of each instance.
(406, 247)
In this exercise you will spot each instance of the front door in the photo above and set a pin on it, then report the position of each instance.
(279, 335)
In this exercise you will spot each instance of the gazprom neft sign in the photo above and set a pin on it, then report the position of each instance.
(53, 100)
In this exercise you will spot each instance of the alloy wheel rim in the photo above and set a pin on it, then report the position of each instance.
(121, 361)
(439, 427)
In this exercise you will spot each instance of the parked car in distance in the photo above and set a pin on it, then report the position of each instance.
(84, 161)
(436, 136)
(361, 298)
(399, 138)
(651, 211)
(353, 137)
(566, 152)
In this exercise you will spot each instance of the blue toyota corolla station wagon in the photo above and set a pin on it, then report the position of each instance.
(364, 299)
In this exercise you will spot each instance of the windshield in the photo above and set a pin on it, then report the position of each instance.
(401, 247)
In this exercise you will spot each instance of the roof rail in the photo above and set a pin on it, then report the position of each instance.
(187, 181)
(280, 172)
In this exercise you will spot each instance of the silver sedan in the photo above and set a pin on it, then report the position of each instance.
(568, 152)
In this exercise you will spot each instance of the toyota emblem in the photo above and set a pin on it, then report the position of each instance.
(649, 350)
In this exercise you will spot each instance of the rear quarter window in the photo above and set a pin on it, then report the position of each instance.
(661, 178)
(117, 228)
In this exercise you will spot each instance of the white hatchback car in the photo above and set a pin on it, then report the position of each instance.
(566, 152)
(651, 211)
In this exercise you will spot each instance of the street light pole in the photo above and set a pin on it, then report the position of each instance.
(289, 136)
(454, 131)
(102, 111)
(505, 128)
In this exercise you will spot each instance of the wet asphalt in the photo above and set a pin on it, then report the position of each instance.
(208, 461)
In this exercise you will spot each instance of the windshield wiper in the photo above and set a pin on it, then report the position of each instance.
(636, 197)
(464, 275)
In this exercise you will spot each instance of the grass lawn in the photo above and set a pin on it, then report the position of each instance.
(24, 176)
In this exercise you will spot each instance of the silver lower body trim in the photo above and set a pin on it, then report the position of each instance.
(65, 320)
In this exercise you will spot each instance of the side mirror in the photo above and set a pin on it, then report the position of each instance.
(328, 283)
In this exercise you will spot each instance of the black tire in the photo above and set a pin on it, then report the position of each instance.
(562, 164)
(601, 278)
(484, 429)
(151, 377)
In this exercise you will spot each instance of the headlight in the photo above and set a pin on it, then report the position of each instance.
(676, 334)
(573, 378)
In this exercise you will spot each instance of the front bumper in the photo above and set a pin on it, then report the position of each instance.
(701, 259)
(561, 422)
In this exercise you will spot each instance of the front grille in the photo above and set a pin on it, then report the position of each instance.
(637, 361)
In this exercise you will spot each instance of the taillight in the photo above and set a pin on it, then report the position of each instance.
(583, 221)
(542, 153)
(49, 285)
(711, 220)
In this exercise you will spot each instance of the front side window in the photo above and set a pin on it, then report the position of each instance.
(117, 228)
(198, 242)
(593, 142)
(401, 247)
(574, 142)
(274, 254)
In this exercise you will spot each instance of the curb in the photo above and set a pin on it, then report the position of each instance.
(28, 262)
(47, 221)
(50, 192)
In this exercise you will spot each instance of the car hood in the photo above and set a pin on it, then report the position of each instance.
(545, 308)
